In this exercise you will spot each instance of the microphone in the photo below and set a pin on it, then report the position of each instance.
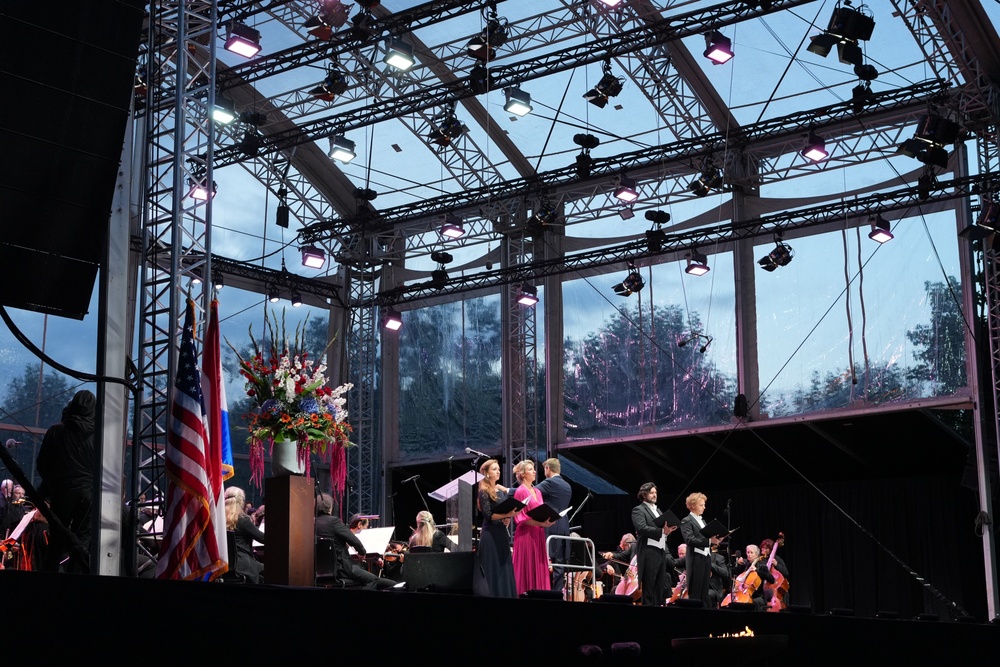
(470, 450)
(11, 442)
(410, 479)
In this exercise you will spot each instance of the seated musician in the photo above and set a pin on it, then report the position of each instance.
(719, 579)
(779, 565)
(620, 565)
(237, 521)
(759, 565)
(427, 536)
(329, 526)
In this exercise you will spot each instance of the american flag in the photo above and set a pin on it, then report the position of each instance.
(190, 548)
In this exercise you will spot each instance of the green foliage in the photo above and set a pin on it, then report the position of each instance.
(630, 374)
(450, 384)
(941, 343)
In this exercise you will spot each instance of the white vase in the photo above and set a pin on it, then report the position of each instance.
(285, 459)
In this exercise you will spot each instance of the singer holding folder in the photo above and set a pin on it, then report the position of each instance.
(531, 561)
(699, 548)
(652, 555)
(494, 573)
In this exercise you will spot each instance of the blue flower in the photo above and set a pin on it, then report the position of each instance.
(309, 405)
(271, 405)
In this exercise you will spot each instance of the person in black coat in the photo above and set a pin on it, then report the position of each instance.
(427, 537)
(244, 534)
(699, 554)
(652, 555)
(66, 464)
(557, 493)
(329, 526)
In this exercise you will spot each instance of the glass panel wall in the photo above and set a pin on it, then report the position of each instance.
(850, 322)
(663, 358)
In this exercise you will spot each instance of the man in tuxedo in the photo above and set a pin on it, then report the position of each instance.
(329, 525)
(699, 549)
(652, 556)
(557, 493)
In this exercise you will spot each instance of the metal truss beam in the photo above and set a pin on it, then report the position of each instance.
(767, 138)
(641, 37)
(635, 251)
(364, 462)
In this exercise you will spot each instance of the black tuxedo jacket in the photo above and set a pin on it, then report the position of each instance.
(331, 527)
(642, 521)
(556, 492)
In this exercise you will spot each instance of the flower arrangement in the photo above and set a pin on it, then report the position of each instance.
(293, 403)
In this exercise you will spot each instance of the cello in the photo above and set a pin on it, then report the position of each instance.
(779, 589)
(744, 586)
(629, 585)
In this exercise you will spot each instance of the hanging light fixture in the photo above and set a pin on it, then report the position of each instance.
(609, 86)
(632, 283)
(697, 263)
(200, 190)
(217, 280)
(718, 48)
(342, 148)
(815, 149)
(452, 227)
(392, 320)
(518, 102)
(483, 46)
(780, 256)
(528, 295)
(627, 190)
(224, 110)
(313, 257)
(880, 229)
(242, 40)
(335, 83)
(399, 54)
(273, 295)
(296, 299)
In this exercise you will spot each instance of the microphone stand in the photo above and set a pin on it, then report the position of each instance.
(420, 493)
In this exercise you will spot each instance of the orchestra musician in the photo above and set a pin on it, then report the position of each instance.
(245, 532)
(329, 525)
(622, 564)
(719, 579)
(428, 536)
(699, 554)
(652, 556)
(779, 565)
(753, 563)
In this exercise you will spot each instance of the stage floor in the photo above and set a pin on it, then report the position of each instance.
(107, 618)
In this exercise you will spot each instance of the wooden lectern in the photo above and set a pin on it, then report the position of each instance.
(290, 550)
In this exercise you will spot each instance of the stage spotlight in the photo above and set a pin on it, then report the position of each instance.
(399, 54)
(849, 53)
(342, 148)
(313, 257)
(452, 227)
(609, 86)
(365, 194)
(697, 263)
(815, 149)
(480, 49)
(633, 283)
(928, 143)
(710, 179)
(880, 229)
(449, 128)
(439, 278)
(392, 320)
(442, 257)
(611, 3)
(249, 145)
(528, 295)
(655, 238)
(627, 190)
(544, 216)
(924, 185)
(334, 84)
(224, 110)
(518, 102)
(199, 189)
(719, 49)
(296, 299)
(242, 40)
(780, 256)
(484, 45)
(480, 80)
(217, 280)
(584, 163)
(861, 97)
(847, 27)
(988, 215)
(273, 295)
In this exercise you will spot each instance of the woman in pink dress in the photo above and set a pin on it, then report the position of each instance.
(531, 560)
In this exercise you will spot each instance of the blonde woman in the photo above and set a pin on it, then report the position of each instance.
(238, 521)
(531, 561)
(426, 535)
(494, 574)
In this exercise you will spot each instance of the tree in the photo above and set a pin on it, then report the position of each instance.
(24, 404)
(941, 342)
(632, 374)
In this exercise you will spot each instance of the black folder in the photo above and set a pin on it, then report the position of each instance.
(546, 512)
(714, 528)
(510, 503)
(666, 518)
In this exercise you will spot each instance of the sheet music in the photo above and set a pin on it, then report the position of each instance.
(376, 540)
(25, 520)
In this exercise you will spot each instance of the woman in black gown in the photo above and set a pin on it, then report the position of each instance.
(494, 575)
(241, 524)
